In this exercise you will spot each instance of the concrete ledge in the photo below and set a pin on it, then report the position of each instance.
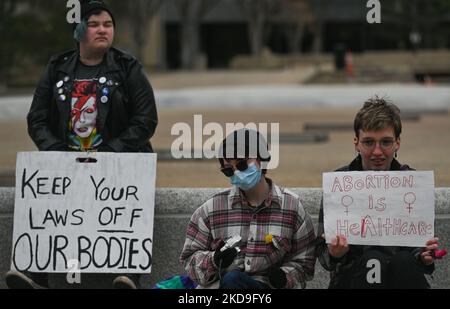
(174, 207)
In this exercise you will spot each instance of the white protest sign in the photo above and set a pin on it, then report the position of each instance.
(392, 208)
(99, 213)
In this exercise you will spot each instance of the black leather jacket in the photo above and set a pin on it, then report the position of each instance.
(126, 122)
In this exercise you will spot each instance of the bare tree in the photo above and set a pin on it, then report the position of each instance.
(319, 8)
(142, 13)
(257, 13)
(139, 13)
(299, 14)
(191, 13)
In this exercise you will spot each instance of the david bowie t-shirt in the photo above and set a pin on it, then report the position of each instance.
(83, 133)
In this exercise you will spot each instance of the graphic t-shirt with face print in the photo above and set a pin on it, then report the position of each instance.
(83, 133)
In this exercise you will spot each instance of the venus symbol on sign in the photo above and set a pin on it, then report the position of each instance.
(346, 201)
(409, 199)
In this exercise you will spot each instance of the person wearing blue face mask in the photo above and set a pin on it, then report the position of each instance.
(248, 178)
(254, 235)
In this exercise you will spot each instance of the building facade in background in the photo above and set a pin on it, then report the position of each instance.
(224, 29)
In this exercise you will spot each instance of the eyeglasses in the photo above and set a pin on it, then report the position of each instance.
(385, 144)
(241, 165)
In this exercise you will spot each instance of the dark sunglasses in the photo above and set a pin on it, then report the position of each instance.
(241, 165)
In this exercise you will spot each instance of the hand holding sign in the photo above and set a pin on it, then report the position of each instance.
(338, 246)
(429, 252)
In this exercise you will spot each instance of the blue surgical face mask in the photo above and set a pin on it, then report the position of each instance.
(247, 179)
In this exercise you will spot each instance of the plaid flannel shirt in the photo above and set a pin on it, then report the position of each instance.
(226, 214)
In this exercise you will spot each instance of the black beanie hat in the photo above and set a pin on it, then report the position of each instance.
(244, 143)
(90, 6)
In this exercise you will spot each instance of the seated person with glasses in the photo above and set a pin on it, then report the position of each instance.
(255, 235)
(377, 140)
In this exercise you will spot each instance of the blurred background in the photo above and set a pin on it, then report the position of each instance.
(308, 65)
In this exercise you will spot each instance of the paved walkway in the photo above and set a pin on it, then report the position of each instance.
(271, 96)
(274, 96)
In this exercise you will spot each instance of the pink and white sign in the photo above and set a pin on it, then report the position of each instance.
(392, 208)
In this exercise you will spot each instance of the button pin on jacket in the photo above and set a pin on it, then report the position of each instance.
(102, 80)
(60, 91)
(62, 98)
(105, 91)
(104, 99)
(66, 79)
(59, 84)
(110, 83)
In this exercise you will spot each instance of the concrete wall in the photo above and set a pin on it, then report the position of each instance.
(173, 210)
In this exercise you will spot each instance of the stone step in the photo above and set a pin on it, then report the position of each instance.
(173, 209)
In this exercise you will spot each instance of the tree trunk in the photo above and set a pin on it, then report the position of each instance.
(142, 13)
(295, 37)
(190, 42)
(191, 13)
(140, 32)
(163, 51)
(256, 34)
(257, 13)
(318, 38)
(318, 32)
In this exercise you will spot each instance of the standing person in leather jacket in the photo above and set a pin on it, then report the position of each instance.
(94, 98)
(377, 140)
(267, 223)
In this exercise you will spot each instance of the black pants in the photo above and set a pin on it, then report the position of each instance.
(401, 271)
(237, 279)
